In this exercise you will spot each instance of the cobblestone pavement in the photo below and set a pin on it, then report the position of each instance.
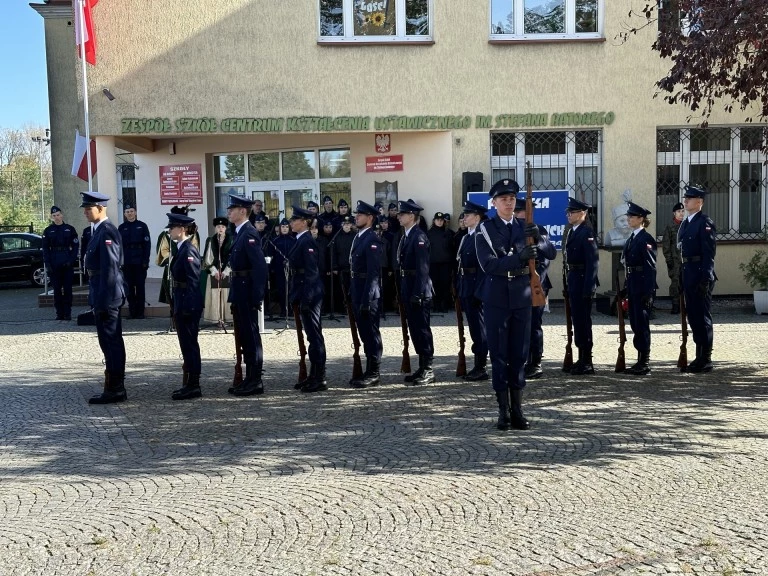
(618, 475)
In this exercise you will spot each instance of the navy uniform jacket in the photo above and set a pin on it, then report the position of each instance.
(581, 256)
(365, 261)
(136, 243)
(413, 260)
(281, 245)
(698, 246)
(498, 245)
(103, 260)
(85, 238)
(640, 264)
(249, 269)
(305, 282)
(470, 276)
(60, 246)
(547, 253)
(185, 272)
(341, 249)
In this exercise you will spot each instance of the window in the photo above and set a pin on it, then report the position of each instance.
(375, 21)
(559, 161)
(728, 162)
(546, 19)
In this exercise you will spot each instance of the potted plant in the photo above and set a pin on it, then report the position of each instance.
(756, 274)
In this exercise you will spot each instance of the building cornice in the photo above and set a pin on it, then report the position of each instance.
(54, 10)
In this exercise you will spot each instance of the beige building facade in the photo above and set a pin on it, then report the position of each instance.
(294, 100)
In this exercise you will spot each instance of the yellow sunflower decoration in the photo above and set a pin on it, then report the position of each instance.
(377, 18)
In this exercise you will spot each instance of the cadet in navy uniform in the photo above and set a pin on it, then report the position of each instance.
(365, 261)
(469, 282)
(187, 302)
(581, 260)
(246, 293)
(328, 214)
(697, 240)
(60, 252)
(639, 258)
(547, 253)
(416, 289)
(106, 295)
(136, 249)
(506, 294)
(306, 290)
(278, 250)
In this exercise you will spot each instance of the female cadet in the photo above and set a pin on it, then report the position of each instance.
(215, 279)
(640, 284)
(580, 254)
(184, 275)
(278, 249)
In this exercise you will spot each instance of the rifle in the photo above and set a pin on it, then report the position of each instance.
(461, 365)
(682, 360)
(620, 360)
(568, 360)
(302, 346)
(357, 367)
(238, 378)
(405, 365)
(537, 292)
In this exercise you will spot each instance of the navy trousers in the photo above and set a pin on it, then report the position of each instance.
(247, 322)
(310, 318)
(187, 328)
(640, 321)
(61, 279)
(418, 315)
(699, 311)
(508, 342)
(109, 329)
(473, 312)
(368, 328)
(135, 276)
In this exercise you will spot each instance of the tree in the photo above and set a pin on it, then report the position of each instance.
(718, 51)
(20, 173)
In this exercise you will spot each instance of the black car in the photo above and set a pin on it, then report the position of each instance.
(21, 257)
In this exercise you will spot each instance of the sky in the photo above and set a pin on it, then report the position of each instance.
(23, 77)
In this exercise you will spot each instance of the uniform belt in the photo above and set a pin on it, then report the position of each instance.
(175, 284)
(514, 273)
(407, 272)
(631, 269)
(59, 249)
(359, 275)
(463, 271)
(241, 273)
(692, 259)
(570, 267)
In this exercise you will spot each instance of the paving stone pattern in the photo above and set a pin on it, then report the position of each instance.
(618, 475)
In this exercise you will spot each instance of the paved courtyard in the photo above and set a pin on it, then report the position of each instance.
(618, 475)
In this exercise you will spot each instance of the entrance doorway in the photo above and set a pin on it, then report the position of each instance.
(279, 198)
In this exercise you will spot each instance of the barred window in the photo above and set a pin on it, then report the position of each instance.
(729, 163)
(559, 161)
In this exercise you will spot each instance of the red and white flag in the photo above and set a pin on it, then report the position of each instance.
(80, 160)
(84, 33)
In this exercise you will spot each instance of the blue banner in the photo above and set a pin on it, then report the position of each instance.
(548, 211)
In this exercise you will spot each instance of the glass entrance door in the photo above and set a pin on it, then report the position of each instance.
(278, 199)
(297, 196)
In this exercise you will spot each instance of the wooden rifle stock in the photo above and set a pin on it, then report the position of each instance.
(461, 365)
(405, 365)
(357, 367)
(237, 380)
(682, 360)
(538, 298)
(620, 359)
(568, 360)
(302, 346)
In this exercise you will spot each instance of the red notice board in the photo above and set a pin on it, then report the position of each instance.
(392, 163)
(181, 184)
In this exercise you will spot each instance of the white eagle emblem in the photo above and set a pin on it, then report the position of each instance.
(382, 143)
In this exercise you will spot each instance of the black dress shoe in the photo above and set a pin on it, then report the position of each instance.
(254, 388)
(109, 398)
(315, 386)
(187, 393)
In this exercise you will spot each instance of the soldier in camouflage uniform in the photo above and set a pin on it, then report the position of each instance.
(672, 255)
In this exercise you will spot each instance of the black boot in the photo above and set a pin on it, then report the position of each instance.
(584, 365)
(252, 385)
(533, 368)
(318, 382)
(478, 372)
(517, 420)
(427, 375)
(504, 422)
(248, 377)
(184, 378)
(114, 389)
(632, 369)
(190, 390)
(371, 376)
(704, 361)
(643, 365)
(355, 382)
(418, 373)
(675, 306)
(579, 363)
(695, 366)
(301, 383)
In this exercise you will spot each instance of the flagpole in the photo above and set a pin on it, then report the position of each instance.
(83, 32)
